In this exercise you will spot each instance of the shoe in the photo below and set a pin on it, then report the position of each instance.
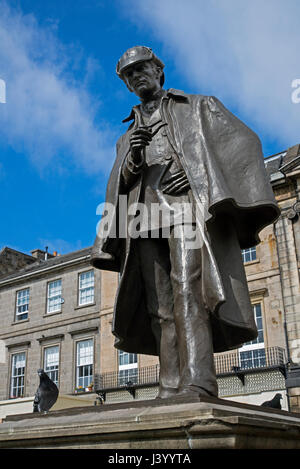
(165, 393)
(193, 392)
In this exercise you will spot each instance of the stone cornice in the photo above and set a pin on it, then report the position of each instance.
(85, 330)
(19, 344)
(41, 271)
(50, 337)
(46, 327)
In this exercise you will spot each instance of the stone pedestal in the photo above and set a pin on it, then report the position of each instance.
(204, 423)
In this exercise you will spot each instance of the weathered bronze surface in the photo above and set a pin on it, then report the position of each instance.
(179, 301)
(46, 394)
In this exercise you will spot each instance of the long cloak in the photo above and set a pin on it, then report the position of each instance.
(224, 164)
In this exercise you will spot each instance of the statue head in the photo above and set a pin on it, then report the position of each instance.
(140, 59)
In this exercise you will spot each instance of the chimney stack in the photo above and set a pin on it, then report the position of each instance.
(41, 255)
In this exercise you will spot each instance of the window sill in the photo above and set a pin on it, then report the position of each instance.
(85, 305)
(46, 315)
(252, 262)
(78, 393)
(21, 321)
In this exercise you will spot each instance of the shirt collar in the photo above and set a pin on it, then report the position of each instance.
(171, 92)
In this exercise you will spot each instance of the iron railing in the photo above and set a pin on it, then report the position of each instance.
(249, 360)
(225, 363)
(143, 376)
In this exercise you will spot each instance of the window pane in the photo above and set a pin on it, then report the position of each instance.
(128, 370)
(127, 358)
(86, 287)
(246, 359)
(54, 296)
(260, 337)
(84, 363)
(128, 376)
(259, 323)
(51, 362)
(22, 306)
(85, 352)
(253, 358)
(17, 375)
(249, 254)
(259, 357)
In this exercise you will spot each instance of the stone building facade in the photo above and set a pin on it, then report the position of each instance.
(12, 260)
(59, 308)
(50, 318)
(264, 367)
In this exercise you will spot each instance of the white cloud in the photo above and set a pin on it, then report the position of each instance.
(2, 91)
(47, 114)
(244, 52)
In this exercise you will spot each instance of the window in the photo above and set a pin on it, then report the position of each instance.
(127, 359)
(252, 354)
(51, 362)
(86, 288)
(253, 358)
(22, 305)
(249, 254)
(129, 375)
(18, 364)
(259, 324)
(128, 368)
(84, 363)
(54, 299)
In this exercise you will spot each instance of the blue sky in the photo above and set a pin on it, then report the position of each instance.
(64, 102)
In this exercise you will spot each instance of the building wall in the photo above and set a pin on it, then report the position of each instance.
(264, 285)
(288, 243)
(11, 261)
(43, 329)
(273, 281)
(108, 353)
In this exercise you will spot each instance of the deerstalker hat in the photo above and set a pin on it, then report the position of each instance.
(134, 55)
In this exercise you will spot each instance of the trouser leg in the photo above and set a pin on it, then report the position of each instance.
(194, 335)
(172, 282)
(155, 269)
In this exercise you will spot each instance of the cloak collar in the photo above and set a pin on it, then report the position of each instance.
(171, 92)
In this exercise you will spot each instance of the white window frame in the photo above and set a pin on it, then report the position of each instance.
(84, 381)
(255, 344)
(251, 253)
(17, 380)
(129, 371)
(53, 296)
(52, 370)
(85, 288)
(21, 302)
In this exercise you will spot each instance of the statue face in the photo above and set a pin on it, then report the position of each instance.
(143, 78)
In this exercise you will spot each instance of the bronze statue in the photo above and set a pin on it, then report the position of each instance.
(46, 394)
(180, 301)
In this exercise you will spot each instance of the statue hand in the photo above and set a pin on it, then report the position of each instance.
(176, 184)
(139, 139)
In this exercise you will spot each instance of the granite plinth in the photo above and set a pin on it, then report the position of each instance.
(205, 423)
